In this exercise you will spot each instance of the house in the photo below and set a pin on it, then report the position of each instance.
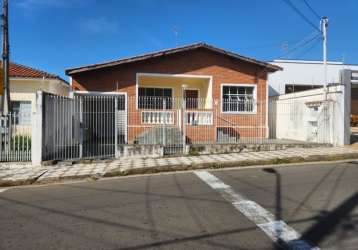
(300, 75)
(197, 91)
(26, 81)
(17, 127)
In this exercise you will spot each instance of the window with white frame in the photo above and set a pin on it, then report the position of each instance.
(22, 112)
(154, 98)
(238, 98)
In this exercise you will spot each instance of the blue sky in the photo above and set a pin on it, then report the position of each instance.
(56, 34)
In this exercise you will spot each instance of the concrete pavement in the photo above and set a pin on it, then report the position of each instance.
(12, 175)
(181, 211)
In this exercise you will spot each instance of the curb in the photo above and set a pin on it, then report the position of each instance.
(179, 167)
(89, 177)
(230, 164)
(21, 182)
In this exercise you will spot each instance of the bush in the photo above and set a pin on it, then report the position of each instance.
(21, 142)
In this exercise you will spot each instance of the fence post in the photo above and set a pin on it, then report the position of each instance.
(184, 125)
(165, 121)
(346, 81)
(37, 130)
(215, 119)
(115, 127)
(80, 153)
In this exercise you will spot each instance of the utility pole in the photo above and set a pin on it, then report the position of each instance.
(324, 26)
(5, 101)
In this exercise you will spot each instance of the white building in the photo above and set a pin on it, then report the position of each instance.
(299, 75)
(24, 84)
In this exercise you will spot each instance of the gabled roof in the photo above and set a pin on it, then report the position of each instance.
(147, 56)
(21, 71)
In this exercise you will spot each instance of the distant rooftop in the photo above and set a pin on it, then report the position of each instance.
(22, 71)
(307, 61)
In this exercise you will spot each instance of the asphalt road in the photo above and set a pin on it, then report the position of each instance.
(181, 211)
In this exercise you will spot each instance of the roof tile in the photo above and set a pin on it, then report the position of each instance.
(147, 56)
(19, 70)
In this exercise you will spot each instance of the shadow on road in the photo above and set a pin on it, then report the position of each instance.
(328, 222)
(171, 238)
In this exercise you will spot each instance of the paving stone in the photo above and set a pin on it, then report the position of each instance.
(23, 172)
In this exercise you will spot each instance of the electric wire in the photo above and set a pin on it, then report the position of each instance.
(289, 3)
(312, 10)
(300, 45)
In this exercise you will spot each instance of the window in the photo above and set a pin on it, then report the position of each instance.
(291, 88)
(154, 98)
(238, 98)
(22, 112)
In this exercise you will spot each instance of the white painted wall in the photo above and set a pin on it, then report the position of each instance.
(303, 73)
(25, 89)
(305, 116)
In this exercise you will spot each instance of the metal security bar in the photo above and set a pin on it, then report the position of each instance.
(15, 137)
(101, 126)
(85, 126)
(176, 123)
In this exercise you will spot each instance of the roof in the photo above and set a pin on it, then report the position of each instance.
(147, 56)
(22, 71)
(306, 61)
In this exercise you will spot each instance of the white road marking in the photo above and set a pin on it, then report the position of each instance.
(278, 231)
(3, 189)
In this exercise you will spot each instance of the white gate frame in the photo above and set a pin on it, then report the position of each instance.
(100, 93)
(37, 122)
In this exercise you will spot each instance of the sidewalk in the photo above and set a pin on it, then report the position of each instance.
(12, 175)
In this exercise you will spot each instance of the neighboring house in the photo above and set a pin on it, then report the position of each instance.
(221, 89)
(300, 75)
(25, 82)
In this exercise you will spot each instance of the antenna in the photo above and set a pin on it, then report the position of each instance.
(176, 34)
(284, 47)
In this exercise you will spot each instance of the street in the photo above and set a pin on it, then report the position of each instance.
(188, 210)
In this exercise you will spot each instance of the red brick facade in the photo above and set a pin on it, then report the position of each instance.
(222, 68)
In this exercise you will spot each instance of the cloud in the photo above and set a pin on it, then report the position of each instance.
(36, 4)
(98, 25)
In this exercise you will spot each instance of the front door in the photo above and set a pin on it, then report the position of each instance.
(191, 98)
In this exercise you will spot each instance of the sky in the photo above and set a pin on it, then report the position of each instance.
(53, 35)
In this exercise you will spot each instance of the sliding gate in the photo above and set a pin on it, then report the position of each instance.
(83, 127)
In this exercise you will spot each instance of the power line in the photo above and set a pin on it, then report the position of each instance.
(271, 45)
(312, 10)
(300, 45)
(289, 3)
(314, 44)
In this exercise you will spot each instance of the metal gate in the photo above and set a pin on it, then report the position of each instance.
(82, 127)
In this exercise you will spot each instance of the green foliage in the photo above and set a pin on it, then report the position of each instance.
(194, 151)
(21, 142)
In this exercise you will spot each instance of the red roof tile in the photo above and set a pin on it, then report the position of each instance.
(269, 66)
(18, 70)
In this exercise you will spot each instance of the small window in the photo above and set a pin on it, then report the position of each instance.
(154, 98)
(22, 112)
(238, 98)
